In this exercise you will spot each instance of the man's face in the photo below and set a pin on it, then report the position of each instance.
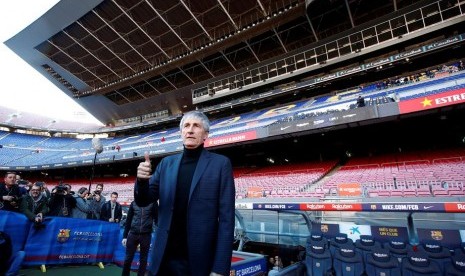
(193, 134)
(10, 179)
(84, 194)
(35, 191)
(99, 188)
(114, 198)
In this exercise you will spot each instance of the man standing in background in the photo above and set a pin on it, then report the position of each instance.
(111, 210)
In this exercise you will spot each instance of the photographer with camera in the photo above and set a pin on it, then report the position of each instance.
(61, 202)
(24, 185)
(34, 205)
(84, 206)
(99, 199)
(10, 194)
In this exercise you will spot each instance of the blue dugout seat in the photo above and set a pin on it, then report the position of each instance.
(457, 268)
(437, 253)
(398, 249)
(418, 264)
(318, 261)
(380, 262)
(337, 241)
(347, 261)
(365, 245)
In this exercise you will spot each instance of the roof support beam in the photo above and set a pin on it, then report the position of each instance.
(146, 34)
(350, 13)
(90, 53)
(208, 35)
(168, 25)
(106, 47)
(77, 62)
(311, 26)
(229, 61)
(163, 76)
(274, 29)
(120, 36)
(195, 19)
(237, 28)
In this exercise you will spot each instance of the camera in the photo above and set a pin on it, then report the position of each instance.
(39, 184)
(60, 189)
(22, 182)
(15, 199)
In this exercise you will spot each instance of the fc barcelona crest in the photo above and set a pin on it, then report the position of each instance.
(63, 235)
(436, 235)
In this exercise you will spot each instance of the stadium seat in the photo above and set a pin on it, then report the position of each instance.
(418, 264)
(318, 259)
(437, 253)
(347, 261)
(458, 266)
(398, 249)
(460, 250)
(337, 241)
(380, 263)
(315, 236)
(365, 244)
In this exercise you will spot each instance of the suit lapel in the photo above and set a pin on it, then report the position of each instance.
(174, 177)
(201, 167)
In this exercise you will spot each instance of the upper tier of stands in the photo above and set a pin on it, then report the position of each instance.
(24, 119)
(30, 150)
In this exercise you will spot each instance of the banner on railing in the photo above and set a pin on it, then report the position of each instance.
(254, 192)
(388, 233)
(449, 238)
(16, 225)
(68, 240)
(349, 189)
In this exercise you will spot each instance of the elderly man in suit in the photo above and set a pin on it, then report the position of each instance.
(195, 192)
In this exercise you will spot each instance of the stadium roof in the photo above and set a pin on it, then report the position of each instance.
(124, 58)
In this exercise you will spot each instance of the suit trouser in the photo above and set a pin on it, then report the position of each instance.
(174, 266)
(131, 246)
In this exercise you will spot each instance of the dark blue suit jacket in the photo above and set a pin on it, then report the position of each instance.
(210, 211)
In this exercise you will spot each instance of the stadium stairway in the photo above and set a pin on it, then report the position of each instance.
(319, 183)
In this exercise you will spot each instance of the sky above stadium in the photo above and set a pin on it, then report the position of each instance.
(35, 94)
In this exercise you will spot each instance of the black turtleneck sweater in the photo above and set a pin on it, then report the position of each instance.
(177, 240)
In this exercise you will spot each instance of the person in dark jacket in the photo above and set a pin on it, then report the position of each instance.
(61, 203)
(138, 232)
(34, 205)
(84, 207)
(10, 194)
(111, 210)
(195, 193)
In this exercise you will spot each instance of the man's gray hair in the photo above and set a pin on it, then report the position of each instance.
(196, 115)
